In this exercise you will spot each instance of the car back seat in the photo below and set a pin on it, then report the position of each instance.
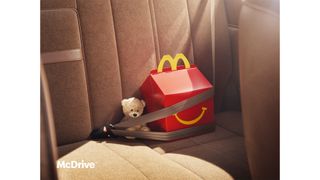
(106, 48)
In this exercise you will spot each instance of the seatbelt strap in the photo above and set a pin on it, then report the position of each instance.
(61, 56)
(166, 136)
(165, 112)
(120, 128)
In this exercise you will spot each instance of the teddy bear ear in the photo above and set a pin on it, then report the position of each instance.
(143, 103)
(124, 101)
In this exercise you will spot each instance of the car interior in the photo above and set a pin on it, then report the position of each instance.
(94, 53)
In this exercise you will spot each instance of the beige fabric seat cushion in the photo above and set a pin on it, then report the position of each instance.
(222, 148)
(216, 155)
(228, 154)
(134, 160)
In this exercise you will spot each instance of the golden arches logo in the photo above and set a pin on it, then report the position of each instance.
(190, 122)
(173, 62)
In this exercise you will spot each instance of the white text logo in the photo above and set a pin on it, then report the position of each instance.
(75, 164)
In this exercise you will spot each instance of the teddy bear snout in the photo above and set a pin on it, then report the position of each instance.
(134, 114)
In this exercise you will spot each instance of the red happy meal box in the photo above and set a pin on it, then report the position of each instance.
(167, 86)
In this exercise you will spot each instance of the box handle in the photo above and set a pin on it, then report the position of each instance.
(173, 62)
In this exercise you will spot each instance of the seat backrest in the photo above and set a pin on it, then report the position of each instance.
(67, 79)
(259, 82)
(226, 55)
(119, 42)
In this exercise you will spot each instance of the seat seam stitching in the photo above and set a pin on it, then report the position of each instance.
(232, 80)
(260, 8)
(191, 37)
(122, 157)
(84, 61)
(231, 131)
(214, 140)
(220, 139)
(179, 164)
(225, 84)
(154, 30)
(117, 48)
(196, 143)
(206, 143)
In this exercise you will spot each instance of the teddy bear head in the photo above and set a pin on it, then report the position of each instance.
(132, 107)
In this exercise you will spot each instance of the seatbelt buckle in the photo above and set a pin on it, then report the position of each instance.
(104, 132)
(108, 131)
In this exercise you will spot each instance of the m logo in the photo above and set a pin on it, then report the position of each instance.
(173, 62)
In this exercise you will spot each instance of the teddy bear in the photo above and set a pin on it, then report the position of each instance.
(133, 108)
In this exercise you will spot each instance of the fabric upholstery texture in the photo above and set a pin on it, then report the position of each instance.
(216, 155)
(202, 168)
(224, 148)
(226, 55)
(69, 93)
(231, 121)
(234, 36)
(59, 30)
(200, 24)
(228, 154)
(259, 77)
(174, 34)
(65, 149)
(104, 158)
(150, 163)
(57, 4)
(166, 147)
(233, 8)
(271, 5)
(223, 56)
(101, 59)
(67, 80)
(129, 161)
(61, 56)
(135, 43)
